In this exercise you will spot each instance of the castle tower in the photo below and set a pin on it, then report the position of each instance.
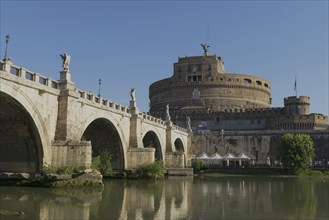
(202, 82)
(297, 105)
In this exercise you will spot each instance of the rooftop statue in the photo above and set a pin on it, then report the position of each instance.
(205, 49)
(66, 61)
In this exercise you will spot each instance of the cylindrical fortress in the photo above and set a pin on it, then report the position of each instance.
(202, 81)
(297, 105)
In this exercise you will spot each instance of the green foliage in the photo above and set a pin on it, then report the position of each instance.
(96, 163)
(153, 170)
(296, 152)
(197, 165)
(102, 162)
(61, 170)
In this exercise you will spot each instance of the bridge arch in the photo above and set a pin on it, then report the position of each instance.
(151, 139)
(25, 146)
(104, 135)
(179, 146)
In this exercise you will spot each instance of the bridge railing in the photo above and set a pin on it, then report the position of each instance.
(150, 118)
(28, 75)
(175, 127)
(90, 96)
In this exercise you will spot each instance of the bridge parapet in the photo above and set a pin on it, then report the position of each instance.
(175, 127)
(151, 119)
(28, 75)
(97, 100)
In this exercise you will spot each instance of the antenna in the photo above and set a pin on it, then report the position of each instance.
(208, 31)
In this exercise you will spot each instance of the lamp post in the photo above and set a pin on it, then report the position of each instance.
(99, 87)
(7, 42)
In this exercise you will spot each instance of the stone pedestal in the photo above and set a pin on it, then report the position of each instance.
(137, 157)
(76, 154)
(133, 105)
(65, 80)
(175, 160)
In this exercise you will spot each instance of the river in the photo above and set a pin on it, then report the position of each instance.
(247, 197)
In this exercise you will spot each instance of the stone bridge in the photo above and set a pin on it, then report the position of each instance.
(51, 122)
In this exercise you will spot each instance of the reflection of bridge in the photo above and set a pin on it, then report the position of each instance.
(44, 121)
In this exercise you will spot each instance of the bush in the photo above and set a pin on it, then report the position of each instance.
(102, 162)
(153, 170)
(197, 165)
(61, 170)
(96, 163)
(296, 152)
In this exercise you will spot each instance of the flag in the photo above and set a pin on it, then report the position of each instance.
(295, 88)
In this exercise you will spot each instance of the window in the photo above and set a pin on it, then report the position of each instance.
(247, 80)
(194, 78)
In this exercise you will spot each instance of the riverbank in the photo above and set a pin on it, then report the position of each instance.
(261, 172)
(52, 180)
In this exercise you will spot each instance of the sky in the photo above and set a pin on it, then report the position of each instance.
(131, 44)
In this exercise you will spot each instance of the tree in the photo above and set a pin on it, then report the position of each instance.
(296, 152)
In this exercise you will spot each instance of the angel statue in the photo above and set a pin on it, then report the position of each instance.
(205, 49)
(188, 122)
(66, 61)
(132, 94)
(167, 110)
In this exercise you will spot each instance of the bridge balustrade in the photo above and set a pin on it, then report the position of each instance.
(29, 75)
(95, 98)
(152, 119)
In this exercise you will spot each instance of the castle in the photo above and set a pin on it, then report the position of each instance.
(215, 102)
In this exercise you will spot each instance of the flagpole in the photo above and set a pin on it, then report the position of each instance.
(296, 86)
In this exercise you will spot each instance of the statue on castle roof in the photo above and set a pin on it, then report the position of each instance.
(205, 49)
(66, 61)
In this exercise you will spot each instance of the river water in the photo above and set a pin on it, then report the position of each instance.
(226, 197)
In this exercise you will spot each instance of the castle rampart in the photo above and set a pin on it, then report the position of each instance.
(204, 78)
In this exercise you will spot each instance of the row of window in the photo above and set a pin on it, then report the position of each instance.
(194, 68)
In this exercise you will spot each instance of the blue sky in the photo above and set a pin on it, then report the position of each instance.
(134, 43)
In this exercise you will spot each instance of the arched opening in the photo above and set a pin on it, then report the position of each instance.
(151, 140)
(104, 136)
(179, 145)
(20, 143)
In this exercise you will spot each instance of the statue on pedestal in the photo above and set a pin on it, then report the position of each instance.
(132, 94)
(188, 122)
(66, 61)
(167, 110)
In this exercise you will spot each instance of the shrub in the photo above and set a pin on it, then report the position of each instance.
(197, 165)
(105, 166)
(153, 170)
(96, 163)
(296, 152)
(48, 169)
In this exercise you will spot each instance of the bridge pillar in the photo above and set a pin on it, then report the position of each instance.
(169, 146)
(135, 139)
(67, 149)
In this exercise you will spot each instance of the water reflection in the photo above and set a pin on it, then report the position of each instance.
(177, 198)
